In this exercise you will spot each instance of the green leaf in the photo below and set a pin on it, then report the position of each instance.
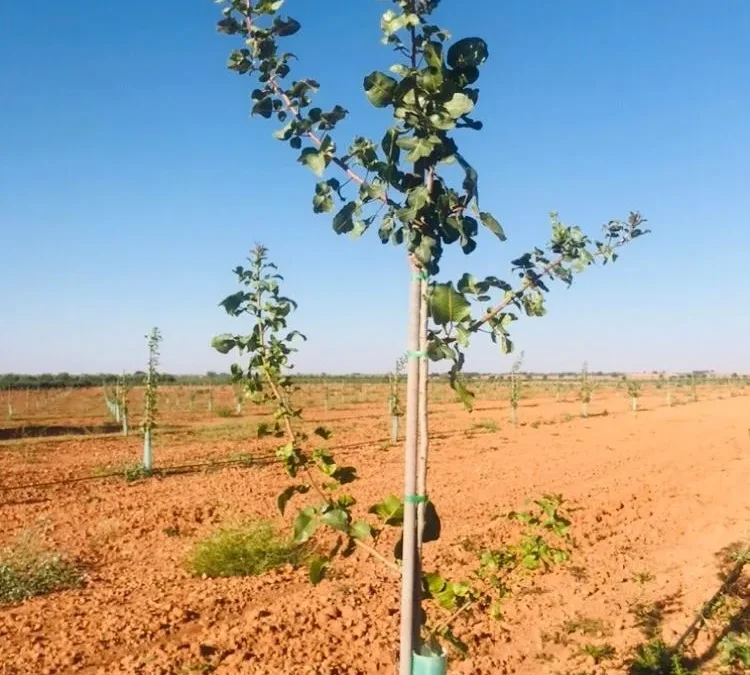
(325, 462)
(305, 524)
(336, 518)
(467, 53)
(491, 224)
(471, 181)
(462, 391)
(264, 108)
(224, 343)
(232, 303)
(283, 499)
(315, 160)
(433, 54)
(448, 305)
(360, 530)
(434, 583)
(418, 146)
(390, 510)
(418, 197)
(379, 89)
(391, 22)
(459, 105)
(317, 569)
(284, 28)
(390, 145)
(344, 221)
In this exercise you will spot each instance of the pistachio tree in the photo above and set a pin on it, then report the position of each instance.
(150, 409)
(395, 407)
(403, 186)
(634, 392)
(516, 383)
(123, 401)
(584, 390)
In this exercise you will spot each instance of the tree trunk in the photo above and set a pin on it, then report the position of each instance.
(513, 416)
(424, 436)
(584, 409)
(394, 428)
(124, 422)
(411, 567)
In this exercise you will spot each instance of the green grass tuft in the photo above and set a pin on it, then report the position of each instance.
(27, 570)
(244, 550)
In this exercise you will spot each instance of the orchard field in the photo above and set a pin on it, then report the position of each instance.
(657, 500)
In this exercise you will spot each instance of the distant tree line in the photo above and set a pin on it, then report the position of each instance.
(211, 378)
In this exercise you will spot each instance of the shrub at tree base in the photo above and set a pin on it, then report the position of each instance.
(26, 570)
(244, 550)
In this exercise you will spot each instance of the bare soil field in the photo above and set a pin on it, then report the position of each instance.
(658, 499)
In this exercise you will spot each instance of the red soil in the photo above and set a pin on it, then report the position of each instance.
(663, 493)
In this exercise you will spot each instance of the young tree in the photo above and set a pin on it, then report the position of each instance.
(395, 408)
(150, 410)
(584, 390)
(634, 391)
(123, 402)
(399, 188)
(515, 389)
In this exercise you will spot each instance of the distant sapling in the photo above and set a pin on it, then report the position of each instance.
(395, 407)
(634, 392)
(150, 409)
(515, 389)
(584, 390)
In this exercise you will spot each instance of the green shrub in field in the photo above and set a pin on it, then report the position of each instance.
(224, 411)
(26, 570)
(735, 650)
(244, 550)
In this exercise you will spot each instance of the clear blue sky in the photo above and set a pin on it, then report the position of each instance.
(132, 182)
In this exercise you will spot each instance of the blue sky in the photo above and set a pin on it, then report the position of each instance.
(132, 182)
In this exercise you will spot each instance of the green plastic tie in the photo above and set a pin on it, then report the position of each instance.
(417, 355)
(421, 276)
(415, 499)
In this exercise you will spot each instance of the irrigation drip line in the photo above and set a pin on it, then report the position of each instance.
(184, 468)
(262, 461)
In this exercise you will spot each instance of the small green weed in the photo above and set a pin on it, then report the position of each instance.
(135, 472)
(598, 653)
(735, 650)
(487, 425)
(27, 570)
(244, 550)
(642, 578)
(655, 658)
(224, 411)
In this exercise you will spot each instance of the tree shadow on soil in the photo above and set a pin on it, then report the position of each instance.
(725, 612)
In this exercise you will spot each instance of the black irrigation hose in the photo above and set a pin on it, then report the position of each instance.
(163, 470)
(250, 461)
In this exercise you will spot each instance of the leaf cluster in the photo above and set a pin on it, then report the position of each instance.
(400, 184)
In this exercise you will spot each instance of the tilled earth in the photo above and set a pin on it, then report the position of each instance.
(657, 500)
